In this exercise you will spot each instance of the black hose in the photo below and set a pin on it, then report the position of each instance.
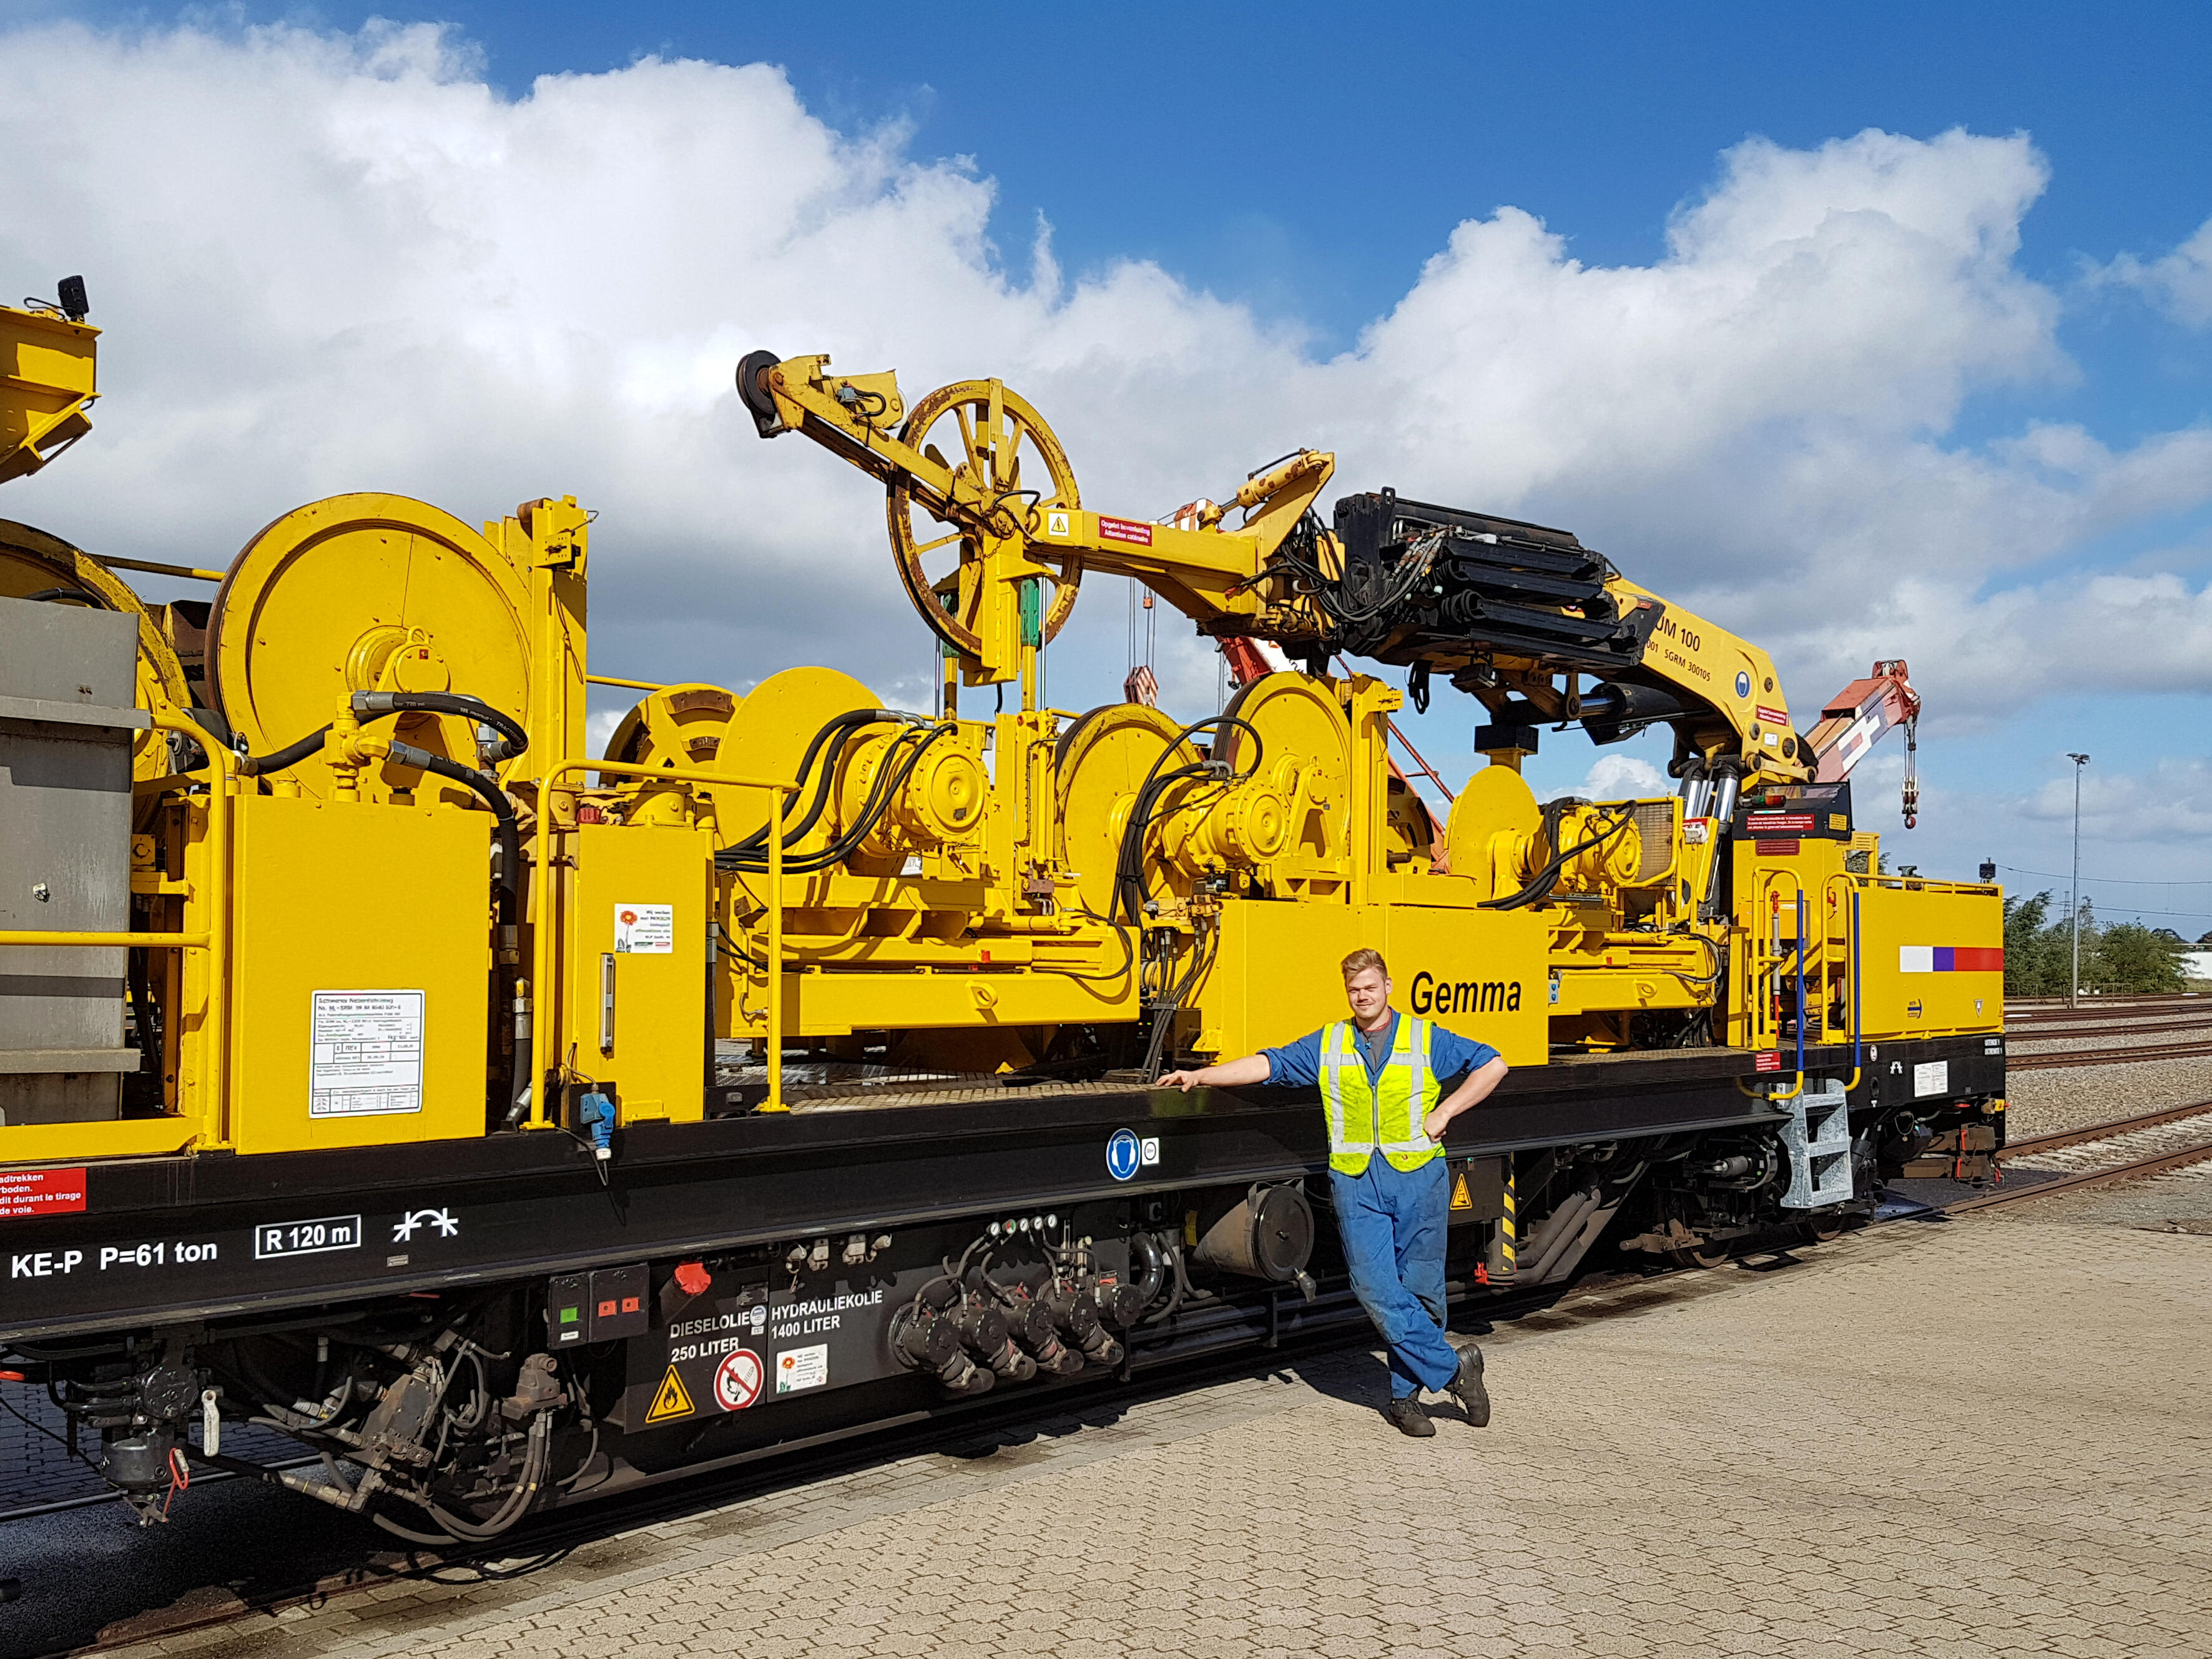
(48, 595)
(253, 766)
(502, 810)
(376, 704)
(512, 738)
(889, 780)
(1129, 858)
(1540, 884)
(840, 727)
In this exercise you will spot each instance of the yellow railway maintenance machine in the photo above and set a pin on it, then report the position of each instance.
(513, 1124)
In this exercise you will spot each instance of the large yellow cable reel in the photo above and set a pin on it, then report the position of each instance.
(1099, 766)
(369, 593)
(975, 608)
(940, 802)
(1305, 762)
(32, 561)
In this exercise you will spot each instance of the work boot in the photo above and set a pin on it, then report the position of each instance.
(1467, 1388)
(1407, 1418)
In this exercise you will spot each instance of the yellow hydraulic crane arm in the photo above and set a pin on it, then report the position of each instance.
(1539, 627)
(46, 379)
(1011, 502)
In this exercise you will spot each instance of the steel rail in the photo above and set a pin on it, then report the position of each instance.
(2179, 1021)
(2142, 1166)
(2052, 1143)
(2105, 1056)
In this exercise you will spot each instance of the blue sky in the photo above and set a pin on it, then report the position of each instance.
(1303, 165)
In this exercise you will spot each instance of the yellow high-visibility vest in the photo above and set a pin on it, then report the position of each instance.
(1365, 1119)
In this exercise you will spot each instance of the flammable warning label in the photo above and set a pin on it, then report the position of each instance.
(672, 1400)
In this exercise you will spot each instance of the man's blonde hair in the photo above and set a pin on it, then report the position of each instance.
(1361, 960)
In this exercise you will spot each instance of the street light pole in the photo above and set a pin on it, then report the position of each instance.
(2074, 980)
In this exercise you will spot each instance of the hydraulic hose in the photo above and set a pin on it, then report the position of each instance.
(291, 755)
(502, 810)
(1540, 884)
(512, 738)
(48, 595)
(838, 729)
(376, 704)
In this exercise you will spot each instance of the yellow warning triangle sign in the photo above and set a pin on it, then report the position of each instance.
(1460, 1199)
(671, 1400)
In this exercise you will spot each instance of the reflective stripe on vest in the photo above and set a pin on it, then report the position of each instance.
(1403, 1096)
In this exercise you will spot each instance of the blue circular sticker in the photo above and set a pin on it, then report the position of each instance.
(1743, 685)
(1122, 1154)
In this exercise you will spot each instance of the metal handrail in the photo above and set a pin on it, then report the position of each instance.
(542, 1031)
(214, 939)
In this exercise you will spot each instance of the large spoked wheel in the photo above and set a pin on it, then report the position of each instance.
(1011, 457)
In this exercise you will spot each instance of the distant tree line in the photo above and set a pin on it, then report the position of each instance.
(2116, 957)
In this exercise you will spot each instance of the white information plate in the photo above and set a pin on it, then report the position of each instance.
(645, 929)
(367, 1054)
(1932, 1077)
(802, 1368)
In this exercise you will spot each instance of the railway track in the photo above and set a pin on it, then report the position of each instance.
(2179, 1021)
(2172, 1139)
(2114, 1006)
(2019, 1062)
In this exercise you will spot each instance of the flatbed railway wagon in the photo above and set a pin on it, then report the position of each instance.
(512, 1126)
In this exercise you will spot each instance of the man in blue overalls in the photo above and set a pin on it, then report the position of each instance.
(1378, 1074)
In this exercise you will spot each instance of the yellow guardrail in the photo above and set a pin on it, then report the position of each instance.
(214, 939)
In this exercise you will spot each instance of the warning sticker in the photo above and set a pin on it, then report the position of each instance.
(1124, 530)
(41, 1192)
(1462, 1199)
(645, 929)
(670, 1400)
(367, 1054)
(1055, 524)
(802, 1368)
(736, 1380)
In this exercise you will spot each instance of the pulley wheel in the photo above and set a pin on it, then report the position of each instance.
(367, 592)
(683, 728)
(997, 441)
(1102, 761)
(32, 561)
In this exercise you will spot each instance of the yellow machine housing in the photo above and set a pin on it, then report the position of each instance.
(799, 867)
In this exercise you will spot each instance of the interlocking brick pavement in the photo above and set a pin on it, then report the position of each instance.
(1979, 1437)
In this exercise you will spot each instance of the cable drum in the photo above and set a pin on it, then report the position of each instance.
(367, 592)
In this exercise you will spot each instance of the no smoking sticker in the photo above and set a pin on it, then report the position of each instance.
(737, 1380)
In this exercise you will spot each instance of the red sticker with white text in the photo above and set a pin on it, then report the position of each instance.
(41, 1192)
(1124, 530)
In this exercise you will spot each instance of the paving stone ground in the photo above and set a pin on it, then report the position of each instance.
(1983, 1436)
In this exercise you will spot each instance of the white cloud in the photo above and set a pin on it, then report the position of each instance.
(1623, 777)
(331, 263)
(2179, 284)
(2172, 802)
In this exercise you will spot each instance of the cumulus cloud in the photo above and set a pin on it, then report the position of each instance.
(1623, 777)
(332, 262)
(2179, 284)
(2170, 802)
